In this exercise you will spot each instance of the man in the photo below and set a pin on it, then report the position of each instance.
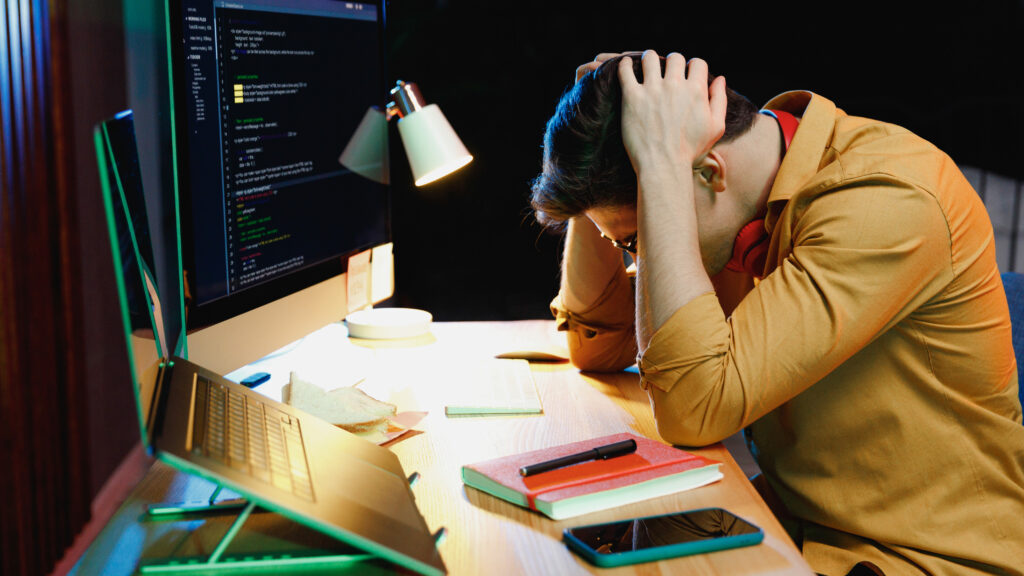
(871, 364)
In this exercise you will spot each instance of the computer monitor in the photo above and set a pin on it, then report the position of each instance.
(265, 96)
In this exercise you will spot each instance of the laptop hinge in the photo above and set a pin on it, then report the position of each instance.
(155, 418)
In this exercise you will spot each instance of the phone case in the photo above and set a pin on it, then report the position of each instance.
(660, 552)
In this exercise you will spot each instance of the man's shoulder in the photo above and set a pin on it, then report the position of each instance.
(848, 153)
(872, 168)
(862, 149)
(861, 144)
(857, 134)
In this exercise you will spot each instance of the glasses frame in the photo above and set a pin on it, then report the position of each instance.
(629, 245)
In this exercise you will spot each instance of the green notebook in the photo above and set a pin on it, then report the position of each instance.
(496, 386)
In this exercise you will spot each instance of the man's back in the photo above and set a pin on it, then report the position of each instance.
(910, 450)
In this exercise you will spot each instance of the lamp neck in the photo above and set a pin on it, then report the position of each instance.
(405, 99)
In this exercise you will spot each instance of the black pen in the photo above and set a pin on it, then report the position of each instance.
(599, 453)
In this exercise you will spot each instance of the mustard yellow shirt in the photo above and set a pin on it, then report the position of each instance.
(873, 364)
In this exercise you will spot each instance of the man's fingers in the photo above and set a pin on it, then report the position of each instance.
(601, 58)
(675, 66)
(717, 103)
(697, 71)
(626, 76)
(651, 65)
(606, 56)
(586, 68)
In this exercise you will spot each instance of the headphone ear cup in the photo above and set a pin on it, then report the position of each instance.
(756, 255)
(750, 251)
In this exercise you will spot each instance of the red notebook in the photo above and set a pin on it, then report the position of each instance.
(655, 469)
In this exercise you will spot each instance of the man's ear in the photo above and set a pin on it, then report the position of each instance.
(710, 169)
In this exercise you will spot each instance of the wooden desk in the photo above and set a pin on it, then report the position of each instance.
(485, 535)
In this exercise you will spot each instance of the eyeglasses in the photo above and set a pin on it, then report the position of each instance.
(629, 245)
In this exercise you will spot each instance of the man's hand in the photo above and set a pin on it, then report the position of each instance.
(670, 120)
(601, 58)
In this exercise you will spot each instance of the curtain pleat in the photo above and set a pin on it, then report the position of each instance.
(44, 491)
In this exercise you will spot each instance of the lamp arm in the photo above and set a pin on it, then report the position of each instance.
(405, 98)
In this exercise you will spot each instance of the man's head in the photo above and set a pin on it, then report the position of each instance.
(586, 168)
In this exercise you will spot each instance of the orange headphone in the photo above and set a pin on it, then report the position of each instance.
(750, 250)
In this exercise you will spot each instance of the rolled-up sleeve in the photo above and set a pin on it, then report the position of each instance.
(601, 338)
(864, 258)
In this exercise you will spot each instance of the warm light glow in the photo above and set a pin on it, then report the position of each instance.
(445, 170)
(433, 148)
(431, 145)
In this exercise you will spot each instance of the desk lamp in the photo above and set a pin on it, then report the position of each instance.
(433, 148)
(434, 151)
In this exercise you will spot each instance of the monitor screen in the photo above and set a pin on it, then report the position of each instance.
(265, 96)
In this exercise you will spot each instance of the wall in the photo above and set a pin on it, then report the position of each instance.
(466, 248)
(97, 88)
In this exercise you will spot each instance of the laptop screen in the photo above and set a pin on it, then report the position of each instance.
(132, 252)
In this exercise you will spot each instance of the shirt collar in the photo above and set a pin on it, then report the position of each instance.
(803, 158)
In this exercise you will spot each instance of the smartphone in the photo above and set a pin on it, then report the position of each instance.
(660, 537)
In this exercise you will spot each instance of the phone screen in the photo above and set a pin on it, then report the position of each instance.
(661, 531)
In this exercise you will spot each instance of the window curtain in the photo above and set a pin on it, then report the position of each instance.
(44, 487)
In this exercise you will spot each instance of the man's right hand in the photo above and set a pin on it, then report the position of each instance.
(583, 69)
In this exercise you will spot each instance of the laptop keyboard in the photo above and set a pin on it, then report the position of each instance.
(250, 436)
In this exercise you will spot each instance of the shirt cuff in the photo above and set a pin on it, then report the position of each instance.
(612, 311)
(566, 321)
(694, 334)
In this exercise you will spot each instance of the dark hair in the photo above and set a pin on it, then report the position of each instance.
(585, 162)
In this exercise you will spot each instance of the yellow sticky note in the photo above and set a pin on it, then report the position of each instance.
(382, 273)
(358, 281)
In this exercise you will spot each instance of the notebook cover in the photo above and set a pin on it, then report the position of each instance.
(493, 387)
(652, 460)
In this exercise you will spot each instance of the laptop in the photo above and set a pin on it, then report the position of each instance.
(275, 456)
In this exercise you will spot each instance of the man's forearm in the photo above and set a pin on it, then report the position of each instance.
(669, 121)
(670, 272)
(589, 265)
(596, 300)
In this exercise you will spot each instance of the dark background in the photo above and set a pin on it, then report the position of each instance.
(466, 247)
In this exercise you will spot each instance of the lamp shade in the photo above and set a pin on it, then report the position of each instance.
(367, 151)
(433, 148)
